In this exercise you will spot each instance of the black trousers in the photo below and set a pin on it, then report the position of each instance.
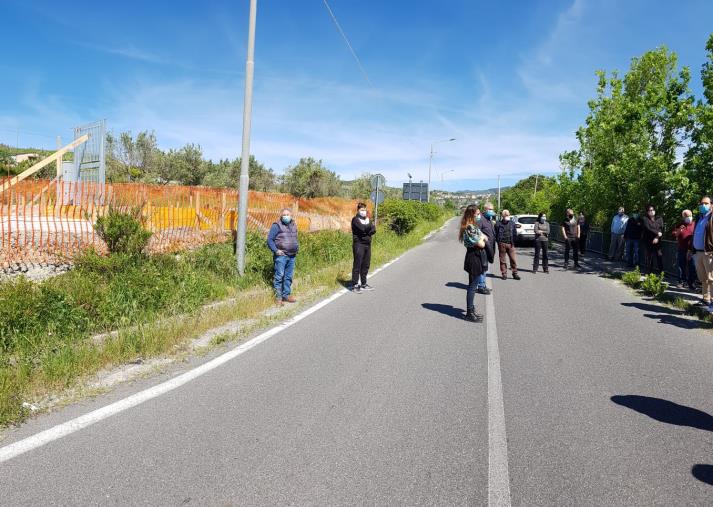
(571, 244)
(583, 244)
(541, 246)
(654, 254)
(362, 262)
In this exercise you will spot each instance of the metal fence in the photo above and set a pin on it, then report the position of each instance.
(599, 241)
(37, 227)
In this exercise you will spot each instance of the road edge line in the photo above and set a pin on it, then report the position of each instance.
(498, 470)
(44, 437)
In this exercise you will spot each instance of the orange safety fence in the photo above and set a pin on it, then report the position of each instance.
(49, 222)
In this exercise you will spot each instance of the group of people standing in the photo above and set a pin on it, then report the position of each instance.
(282, 240)
(628, 236)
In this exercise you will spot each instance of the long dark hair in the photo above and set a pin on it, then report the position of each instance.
(468, 219)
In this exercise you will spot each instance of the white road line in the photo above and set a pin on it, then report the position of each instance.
(498, 473)
(44, 437)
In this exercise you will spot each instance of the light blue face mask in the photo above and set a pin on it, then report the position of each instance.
(704, 208)
(490, 213)
(286, 219)
(478, 218)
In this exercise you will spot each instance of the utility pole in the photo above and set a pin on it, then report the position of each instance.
(537, 177)
(498, 193)
(245, 156)
(430, 160)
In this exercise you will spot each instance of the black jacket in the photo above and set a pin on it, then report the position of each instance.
(500, 228)
(633, 228)
(486, 226)
(652, 227)
(362, 233)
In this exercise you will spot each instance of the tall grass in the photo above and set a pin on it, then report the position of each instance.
(156, 303)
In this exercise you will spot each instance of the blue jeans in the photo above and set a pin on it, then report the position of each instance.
(284, 269)
(481, 280)
(686, 268)
(632, 252)
(470, 295)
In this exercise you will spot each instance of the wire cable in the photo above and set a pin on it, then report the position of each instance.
(349, 45)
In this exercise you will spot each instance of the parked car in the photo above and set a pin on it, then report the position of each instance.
(524, 228)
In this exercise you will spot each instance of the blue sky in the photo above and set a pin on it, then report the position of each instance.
(509, 80)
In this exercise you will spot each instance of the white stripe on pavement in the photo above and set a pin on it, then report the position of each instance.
(44, 437)
(498, 473)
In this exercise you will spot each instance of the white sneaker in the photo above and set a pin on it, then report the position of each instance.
(356, 289)
(366, 286)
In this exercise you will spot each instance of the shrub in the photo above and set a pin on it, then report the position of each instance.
(654, 285)
(632, 278)
(123, 231)
(401, 215)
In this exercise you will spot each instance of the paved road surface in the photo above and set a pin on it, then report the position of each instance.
(382, 398)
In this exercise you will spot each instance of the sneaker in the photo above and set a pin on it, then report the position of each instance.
(710, 308)
(473, 317)
(366, 286)
(546, 271)
(504, 277)
(515, 276)
(566, 267)
(356, 289)
(577, 266)
(679, 285)
(483, 290)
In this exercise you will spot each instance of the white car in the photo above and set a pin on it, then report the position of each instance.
(524, 228)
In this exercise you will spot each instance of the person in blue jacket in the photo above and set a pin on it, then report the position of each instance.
(282, 240)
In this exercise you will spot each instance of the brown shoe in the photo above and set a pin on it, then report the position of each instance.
(279, 302)
(290, 299)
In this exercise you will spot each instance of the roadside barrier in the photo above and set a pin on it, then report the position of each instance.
(47, 222)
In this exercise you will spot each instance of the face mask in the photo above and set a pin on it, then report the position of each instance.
(652, 213)
(478, 218)
(543, 220)
(489, 213)
(687, 220)
(570, 215)
(506, 219)
(635, 215)
(621, 213)
(704, 208)
(286, 219)
(362, 213)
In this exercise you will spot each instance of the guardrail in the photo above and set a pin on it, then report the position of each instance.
(598, 241)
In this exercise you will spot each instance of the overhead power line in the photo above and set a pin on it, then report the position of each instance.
(349, 45)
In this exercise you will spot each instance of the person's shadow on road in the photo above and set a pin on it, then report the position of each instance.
(448, 310)
(457, 285)
(672, 413)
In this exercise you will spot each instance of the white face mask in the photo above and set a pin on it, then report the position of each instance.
(506, 219)
(687, 220)
(543, 220)
(362, 213)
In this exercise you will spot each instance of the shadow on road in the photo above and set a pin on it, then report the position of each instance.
(457, 285)
(666, 411)
(653, 308)
(449, 310)
(703, 473)
(670, 316)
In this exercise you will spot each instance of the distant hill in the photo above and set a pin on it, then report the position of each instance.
(486, 191)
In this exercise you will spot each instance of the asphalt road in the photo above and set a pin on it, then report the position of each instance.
(382, 398)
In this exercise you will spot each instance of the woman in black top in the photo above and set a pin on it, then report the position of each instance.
(476, 258)
(542, 239)
(362, 231)
(652, 234)
(583, 232)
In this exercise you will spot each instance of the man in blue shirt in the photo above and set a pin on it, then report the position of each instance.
(703, 248)
(282, 240)
(618, 226)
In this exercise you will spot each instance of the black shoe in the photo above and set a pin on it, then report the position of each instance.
(566, 267)
(366, 286)
(356, 289)
(515, 276)
(577, 266)
(471, 316)
(546, 271)
(483, 290)
(504, 277)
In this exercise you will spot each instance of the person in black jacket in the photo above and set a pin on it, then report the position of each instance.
(652, 234)
(632, 238)
(486, 226)
(505, 233)
(362, 231)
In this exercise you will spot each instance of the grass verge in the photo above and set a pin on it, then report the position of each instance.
(157, 304)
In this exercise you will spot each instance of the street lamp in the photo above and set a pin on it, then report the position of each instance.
(446, 172)
(242, 226)
(430, 161)
(409, 186)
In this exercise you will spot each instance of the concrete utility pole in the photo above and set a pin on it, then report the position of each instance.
(498, 193)
(430, 161)
(245, 156)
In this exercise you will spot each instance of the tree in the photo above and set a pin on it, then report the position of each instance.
(226, 173)
(522, 197)
(184, 166)
(699, 158)
(309, 178)
(131, 160)
(628, 145)
(359, 188)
